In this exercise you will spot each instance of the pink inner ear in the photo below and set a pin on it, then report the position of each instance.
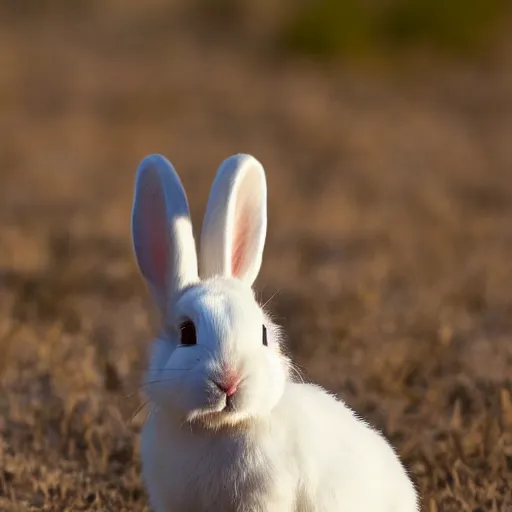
(155, 227)
(240, 243)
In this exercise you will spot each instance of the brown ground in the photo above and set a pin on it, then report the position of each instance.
(390, 246)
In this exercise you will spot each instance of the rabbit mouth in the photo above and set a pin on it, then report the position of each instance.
(226, 408)
(227, 414)
(230, 405)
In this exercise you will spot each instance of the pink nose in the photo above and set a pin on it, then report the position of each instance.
(229, 387)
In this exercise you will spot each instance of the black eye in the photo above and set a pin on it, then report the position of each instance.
(265, 341)
(188, 333)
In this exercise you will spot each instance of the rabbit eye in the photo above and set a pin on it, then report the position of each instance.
(265, 340)
(188, 333)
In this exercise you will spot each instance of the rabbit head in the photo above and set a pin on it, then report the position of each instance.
(217, 360)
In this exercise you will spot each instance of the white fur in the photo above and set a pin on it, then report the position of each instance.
(238, 194)
(162, 230)
(281, 446)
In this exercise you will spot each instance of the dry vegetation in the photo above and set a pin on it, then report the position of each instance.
(390, 246)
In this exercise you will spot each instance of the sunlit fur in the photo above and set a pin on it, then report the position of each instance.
(281, 445)
(228, 323)
(287, 447)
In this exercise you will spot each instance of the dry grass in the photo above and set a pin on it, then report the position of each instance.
(390, 247)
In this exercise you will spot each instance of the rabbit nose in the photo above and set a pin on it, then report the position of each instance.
(228, 386)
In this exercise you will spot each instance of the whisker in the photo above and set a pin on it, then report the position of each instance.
(150, 413)
(144, 384)
(297, 372)
(268, 301)
(158, 381)
(169, 369)
(132, 394)
(162, 369)
(139, 409)
(198, 345)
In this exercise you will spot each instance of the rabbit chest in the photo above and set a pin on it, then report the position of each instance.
(230, 472)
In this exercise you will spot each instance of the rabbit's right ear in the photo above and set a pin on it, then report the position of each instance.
(162, 230)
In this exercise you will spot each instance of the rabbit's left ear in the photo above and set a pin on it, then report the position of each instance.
(235, 222)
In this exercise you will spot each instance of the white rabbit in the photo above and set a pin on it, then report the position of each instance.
(230, 431)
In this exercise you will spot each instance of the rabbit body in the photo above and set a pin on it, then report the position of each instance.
(311, 455)
(229, 430)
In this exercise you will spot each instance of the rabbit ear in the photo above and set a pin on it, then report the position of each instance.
(162, 231)
(235, 222)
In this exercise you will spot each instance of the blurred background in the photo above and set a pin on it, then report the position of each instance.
(384, 128)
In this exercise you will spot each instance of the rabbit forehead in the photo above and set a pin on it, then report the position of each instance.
(223, 309)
